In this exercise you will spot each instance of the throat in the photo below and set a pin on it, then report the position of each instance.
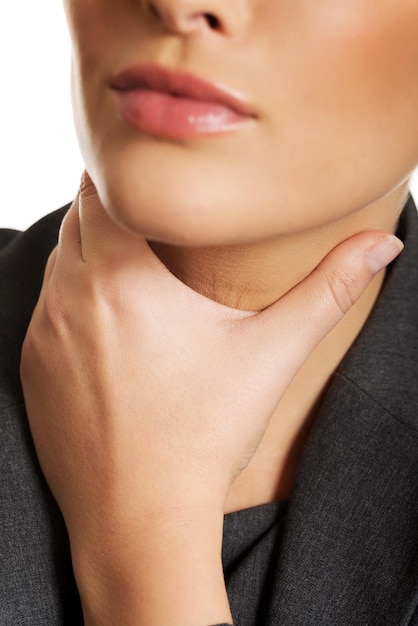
(271, 473)
(249, 277)
(252, 277)
(239, 279)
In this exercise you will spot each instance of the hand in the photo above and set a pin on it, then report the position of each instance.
(146, 399)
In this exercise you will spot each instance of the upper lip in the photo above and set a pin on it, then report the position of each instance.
(180, 84)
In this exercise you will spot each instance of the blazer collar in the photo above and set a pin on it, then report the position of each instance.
(349, 549)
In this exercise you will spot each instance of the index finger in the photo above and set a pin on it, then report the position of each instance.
(102, 240)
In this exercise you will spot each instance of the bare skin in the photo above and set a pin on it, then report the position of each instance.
(242, 277)
(162, 397)
(273, 232)
(324, 160)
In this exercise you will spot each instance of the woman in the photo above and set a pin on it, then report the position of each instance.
(195, 351)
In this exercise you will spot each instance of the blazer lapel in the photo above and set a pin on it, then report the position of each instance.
(349, 553)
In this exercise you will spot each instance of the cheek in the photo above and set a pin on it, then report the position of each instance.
(369, 55)
(379, 64)
(340, 99)
(346, 96)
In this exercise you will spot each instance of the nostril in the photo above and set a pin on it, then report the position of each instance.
(174, 18)
(212, 20)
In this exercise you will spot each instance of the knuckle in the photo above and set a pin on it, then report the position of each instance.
(50, 313)
(343, 287)
(55, 316)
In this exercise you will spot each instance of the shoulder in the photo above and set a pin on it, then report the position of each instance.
(17, 246)
(383, 360)
(6, 235)
(23, 256)
(33, 542)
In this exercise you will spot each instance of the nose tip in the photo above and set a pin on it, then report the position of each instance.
(185, 17)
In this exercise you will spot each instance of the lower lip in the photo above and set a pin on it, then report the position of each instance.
(164, 115)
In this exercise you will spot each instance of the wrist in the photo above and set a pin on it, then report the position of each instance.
(167, 571)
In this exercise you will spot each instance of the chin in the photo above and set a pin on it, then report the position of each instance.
(204, 198)
(210, 211)
(171, 223)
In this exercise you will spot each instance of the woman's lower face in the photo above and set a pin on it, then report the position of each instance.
(322, 121)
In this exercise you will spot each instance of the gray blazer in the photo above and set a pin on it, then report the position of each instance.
(346, 552)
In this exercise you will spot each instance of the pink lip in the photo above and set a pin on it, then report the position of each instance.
(177, 105)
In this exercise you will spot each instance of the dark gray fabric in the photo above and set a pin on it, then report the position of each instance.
(251, 542)
(349, 553)
(343, 551)
(36, 582)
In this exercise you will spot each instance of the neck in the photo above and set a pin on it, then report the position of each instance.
(251, 278)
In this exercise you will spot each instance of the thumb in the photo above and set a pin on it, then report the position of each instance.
(307, 313)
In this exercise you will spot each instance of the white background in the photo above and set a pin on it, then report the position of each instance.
(40, 165)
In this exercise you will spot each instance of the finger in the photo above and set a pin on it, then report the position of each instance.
(90, 238)
(102, 240)
(306, 314)
(69, 240)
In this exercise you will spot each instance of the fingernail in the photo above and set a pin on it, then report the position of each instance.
(87, 187)
(83, 180)
(383, 252)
